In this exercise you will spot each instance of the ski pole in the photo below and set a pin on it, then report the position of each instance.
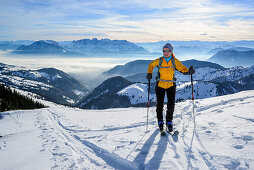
(147, 105)
(192, 87)
(193, 114)
(194, 130)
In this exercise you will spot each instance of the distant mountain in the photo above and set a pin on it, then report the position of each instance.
(140, 66)
(8, 46)
(241, 48)
(130, 68)
(43, 47)
(229, 58)
(105, 95)
(11, 45)
(216, 50)
(195, 46)
(190, 50)
(105, 46)
(52, 84)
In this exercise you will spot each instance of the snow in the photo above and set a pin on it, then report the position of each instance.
(57, 76)
(79, 93)
(208, 74)
(59, 137)
(24, 82)
(137, 93)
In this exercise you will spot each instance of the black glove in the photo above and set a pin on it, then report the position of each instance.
(149, 76)
(191, 70)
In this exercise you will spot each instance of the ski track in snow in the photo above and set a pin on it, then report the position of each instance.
(72, 141)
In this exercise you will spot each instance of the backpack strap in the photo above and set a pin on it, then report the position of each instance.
(159, 67)
(173, 62)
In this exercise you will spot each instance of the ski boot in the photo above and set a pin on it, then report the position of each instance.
(160, 124)
(170, 126)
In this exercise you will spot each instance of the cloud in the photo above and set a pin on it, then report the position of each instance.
(137, 20)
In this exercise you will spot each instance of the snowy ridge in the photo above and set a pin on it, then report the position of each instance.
(70, 138)
(50, 83)
(208, 82)
(211, 74)
(202, 74)
(138, 92)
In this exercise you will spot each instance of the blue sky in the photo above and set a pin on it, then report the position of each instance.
(136, 21)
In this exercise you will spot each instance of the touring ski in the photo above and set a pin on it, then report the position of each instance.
(174, 132)
(163, 133)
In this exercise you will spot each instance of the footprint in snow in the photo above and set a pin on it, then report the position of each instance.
(131, 142)
(208, 131)
(211, 123)
(247, 138)
(177, 156)
(203, 128)
(238, 146)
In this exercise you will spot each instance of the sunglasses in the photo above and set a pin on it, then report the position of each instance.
(166, 51)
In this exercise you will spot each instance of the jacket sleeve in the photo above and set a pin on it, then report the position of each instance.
(152, 65)
(180, 67)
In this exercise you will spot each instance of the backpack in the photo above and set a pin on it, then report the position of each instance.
(159, 67)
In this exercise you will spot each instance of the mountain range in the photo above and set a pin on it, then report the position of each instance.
(216, 50)
(43, 47)
(102, 46)
(77, 47)
(231, 57)
(12, 45)
(221, 52)
(203, 45)
(140, 66)
(129, 87)
(224, 53)
(49, 83)
(208, 82)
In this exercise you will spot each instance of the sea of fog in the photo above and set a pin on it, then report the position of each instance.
(84, 69)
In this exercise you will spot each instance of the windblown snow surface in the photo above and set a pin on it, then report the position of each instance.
(59, 137)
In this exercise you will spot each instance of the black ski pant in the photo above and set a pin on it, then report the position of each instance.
(160, 95)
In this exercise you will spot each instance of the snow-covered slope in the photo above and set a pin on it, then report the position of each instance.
(203, 74)
(67, 138)
(105, 95)
(137, 93)
(208, 82)
(50, 83)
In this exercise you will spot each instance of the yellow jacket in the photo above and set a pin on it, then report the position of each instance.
(167, 73)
